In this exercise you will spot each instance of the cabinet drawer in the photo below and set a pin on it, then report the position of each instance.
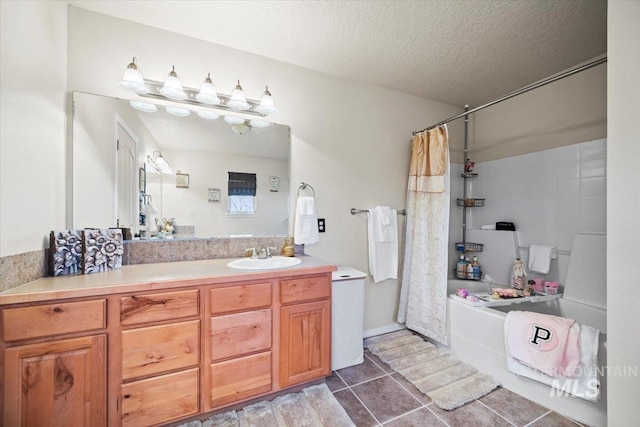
(147, 351)
(240, 333)
(239, 379)
(305, 289)
(161, 399)
(53, 319)
(154, 307)
(243, 297)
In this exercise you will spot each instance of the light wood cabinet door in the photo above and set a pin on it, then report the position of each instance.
(305, 342)
(57, 383)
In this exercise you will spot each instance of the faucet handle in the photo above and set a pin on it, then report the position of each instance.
(253, 252)
(270, 248)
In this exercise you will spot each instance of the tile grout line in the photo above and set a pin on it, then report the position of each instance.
(539, 418)
(402, 415)
(489, 408)
(424, 405)
(359, 400)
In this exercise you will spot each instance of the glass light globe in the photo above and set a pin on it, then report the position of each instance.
(179, 112)
(132, 79)
(238, 101)
(147, 107)
(267, 106)
(233, 120)
(209, 115)
(172, 88)
(208, 93)
(259, 123)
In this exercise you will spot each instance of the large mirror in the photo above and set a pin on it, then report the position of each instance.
(116, 178)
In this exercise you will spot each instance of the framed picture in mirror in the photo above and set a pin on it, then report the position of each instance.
(182, 180)
(142, 180)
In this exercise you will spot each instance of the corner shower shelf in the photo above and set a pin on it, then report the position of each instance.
(469, 247)
(469, 175)
(485, 300)
(470, 202)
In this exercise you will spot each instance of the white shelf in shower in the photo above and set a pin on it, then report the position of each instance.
(485, 300)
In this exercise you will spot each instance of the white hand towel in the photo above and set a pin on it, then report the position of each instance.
(383, 256)
(540, 258)
(306, 222)
(386, 230)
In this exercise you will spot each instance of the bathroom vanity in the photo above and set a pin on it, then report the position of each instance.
(155, 343)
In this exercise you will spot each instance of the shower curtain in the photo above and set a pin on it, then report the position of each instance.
(423, 295)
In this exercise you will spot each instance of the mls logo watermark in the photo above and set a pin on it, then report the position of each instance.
(588, 389)
(566, 387)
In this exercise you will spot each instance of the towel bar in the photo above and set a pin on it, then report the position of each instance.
(304, 186)
(357, 211)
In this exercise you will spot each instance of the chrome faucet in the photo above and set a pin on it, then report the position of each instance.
(253, 252)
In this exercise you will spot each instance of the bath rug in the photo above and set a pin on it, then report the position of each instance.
(292, 410)
(314, 406)
(258, 415)
(401, 341)
(386, 337)
(413, 348)
(415, 359)
(446, 380)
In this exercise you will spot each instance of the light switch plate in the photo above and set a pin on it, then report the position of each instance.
(321, 225)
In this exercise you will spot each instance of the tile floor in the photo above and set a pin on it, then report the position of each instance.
(375, 395)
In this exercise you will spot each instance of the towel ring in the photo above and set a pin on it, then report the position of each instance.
(304, 186)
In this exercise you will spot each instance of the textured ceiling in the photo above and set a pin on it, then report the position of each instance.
(456, 52)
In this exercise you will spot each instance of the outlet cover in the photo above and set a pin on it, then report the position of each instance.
(321, 225)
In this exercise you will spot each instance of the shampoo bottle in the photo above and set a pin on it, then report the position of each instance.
(476, 268)
(461, 268)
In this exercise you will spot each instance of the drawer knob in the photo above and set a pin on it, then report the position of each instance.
(57, 310)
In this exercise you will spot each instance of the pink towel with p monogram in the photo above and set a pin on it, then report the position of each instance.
(544, 342)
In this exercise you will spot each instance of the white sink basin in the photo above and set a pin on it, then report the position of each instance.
(264, 264)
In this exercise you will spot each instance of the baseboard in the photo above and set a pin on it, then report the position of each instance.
(384, 330)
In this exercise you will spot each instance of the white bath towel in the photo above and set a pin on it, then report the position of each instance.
(542, 341)
(585, 382)
(383, 254)
(387, 230)
(540, 258)
(306, 222)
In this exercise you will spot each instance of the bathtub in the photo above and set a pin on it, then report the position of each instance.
(476, 337)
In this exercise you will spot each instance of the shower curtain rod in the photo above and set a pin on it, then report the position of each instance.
(518, 92)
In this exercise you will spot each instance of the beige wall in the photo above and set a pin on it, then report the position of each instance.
(32, 123)
(350, 141)
(623, 222)
(565, 112)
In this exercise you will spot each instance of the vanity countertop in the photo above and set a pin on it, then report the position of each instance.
(145, 277)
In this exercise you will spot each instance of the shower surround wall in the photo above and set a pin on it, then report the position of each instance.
(550, 195)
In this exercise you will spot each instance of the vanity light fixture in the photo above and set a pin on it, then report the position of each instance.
(172, 88)
(132, 79)
(177, 111)
(238, 101)
(159, 163)
(267, 106)
(147, 107)
(208, 94)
